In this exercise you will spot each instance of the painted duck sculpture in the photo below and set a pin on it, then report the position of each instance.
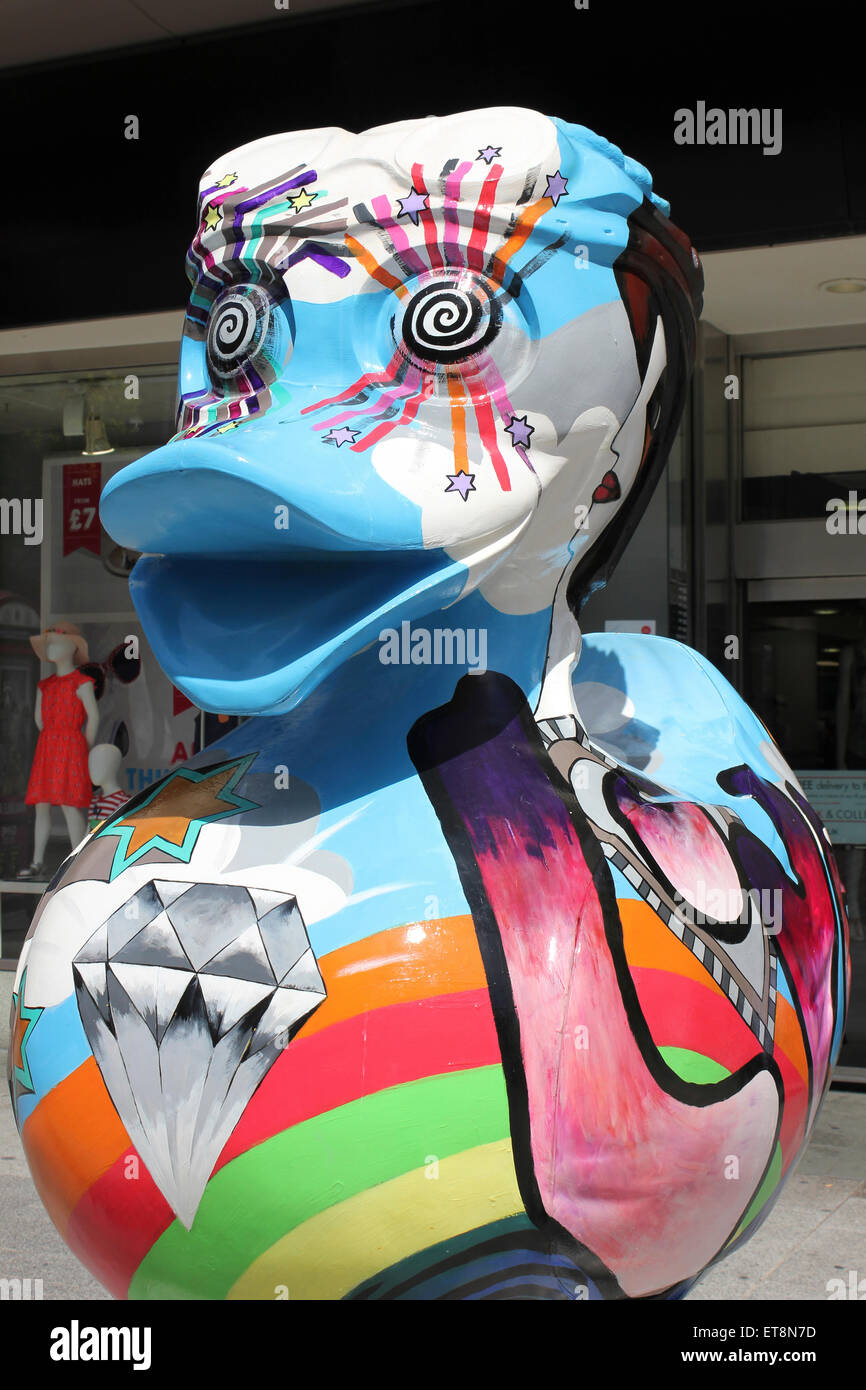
(482, 961)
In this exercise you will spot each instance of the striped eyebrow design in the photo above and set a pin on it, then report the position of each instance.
(276, 223)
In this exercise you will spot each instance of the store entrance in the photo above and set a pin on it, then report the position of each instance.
(805, 676)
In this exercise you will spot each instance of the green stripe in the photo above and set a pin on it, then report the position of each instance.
(261, 1195)
(764, 1192)
(693, 1066)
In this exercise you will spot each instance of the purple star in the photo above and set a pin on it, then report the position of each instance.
(464, 483)
(488, 154)
(520, 430)
(340, 436)
(556, 186)
(411, 206)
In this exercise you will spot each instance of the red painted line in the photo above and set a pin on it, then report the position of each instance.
(428, 221)
(117, 1221)
(682, 1013)
(368, 379)
(408, 414)
(487, 429)
(481, 220)
(367, 1053)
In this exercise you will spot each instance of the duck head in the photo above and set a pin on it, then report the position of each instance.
(440, 357)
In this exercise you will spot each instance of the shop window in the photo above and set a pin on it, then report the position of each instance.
(61, 438)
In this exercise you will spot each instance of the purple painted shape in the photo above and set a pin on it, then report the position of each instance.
(309, 176)
(334, 264)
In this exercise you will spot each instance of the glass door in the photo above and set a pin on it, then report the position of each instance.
(805, 676)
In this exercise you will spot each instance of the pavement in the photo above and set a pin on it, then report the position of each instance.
(815, 1233)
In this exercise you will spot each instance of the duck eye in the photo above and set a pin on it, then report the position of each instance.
(237, 328)
(446, 321)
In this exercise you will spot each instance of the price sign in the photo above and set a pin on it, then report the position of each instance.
(82, 484)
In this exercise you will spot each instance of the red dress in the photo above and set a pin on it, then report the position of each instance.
(59, 775)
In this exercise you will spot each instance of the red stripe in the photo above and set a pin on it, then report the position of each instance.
(682, 1013)
(368, 379)
(119, 1219)
(410, 410)
(481, 220)
(487, 428)
(793, 1129)
(709, 1024)
(428, 221)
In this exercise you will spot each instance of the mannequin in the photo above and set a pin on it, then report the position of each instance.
(67, 718)
(104, 765)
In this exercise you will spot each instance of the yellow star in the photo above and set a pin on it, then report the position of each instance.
(226, 180)
(302, 199)
(213, 217)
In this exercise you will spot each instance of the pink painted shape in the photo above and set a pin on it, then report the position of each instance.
(397, 233)
(690, 851)
(628, 1169)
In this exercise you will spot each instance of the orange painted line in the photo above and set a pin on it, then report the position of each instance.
(524, 226)
(649, 943)
(789, 1038)
(396, 966)
(373, 268)
(72, 1137)
(458, 425)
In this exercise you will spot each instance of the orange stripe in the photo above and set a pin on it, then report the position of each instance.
(373, 268)
(74, 1135)
(648, 942)
(524, 226)
(63, 1167)
(393, 967)
(458, 425)
(789, 1038)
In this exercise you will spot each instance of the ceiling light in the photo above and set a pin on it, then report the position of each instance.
(95, 438)
(848, 284)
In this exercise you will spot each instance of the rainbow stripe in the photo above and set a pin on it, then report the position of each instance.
(389, 1110)
(378, 1147)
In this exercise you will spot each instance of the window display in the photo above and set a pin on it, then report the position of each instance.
(67, 718)
(77, 575)
(108, 795)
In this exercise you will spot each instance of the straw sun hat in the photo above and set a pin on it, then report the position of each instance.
(67, 630)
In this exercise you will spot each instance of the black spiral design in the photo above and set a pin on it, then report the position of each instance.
(237, 326)
(446, 322)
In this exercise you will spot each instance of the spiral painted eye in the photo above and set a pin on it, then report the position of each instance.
(448, 320)
(238, 328)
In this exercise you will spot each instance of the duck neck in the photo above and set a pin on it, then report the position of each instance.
(413, 667)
